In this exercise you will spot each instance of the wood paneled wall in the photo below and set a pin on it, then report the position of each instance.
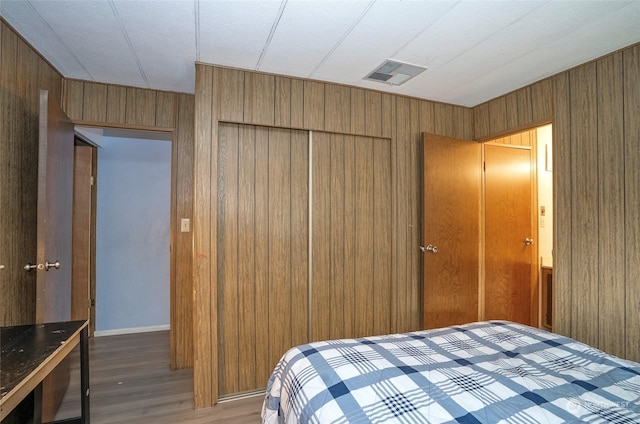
(22, 74)
(236, 96)
(595, 111)
(105, 105)
(262, 249)
(352, 236)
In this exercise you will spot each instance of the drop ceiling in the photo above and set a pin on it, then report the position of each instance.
(473, 50)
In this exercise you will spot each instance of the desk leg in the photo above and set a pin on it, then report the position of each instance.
(84, 375)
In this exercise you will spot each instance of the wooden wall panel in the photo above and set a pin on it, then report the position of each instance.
(610, 175)
(22, 74)
(498, 112)
(165, 109)
(282, 102)
(246, 299)
(358, 120)
(352, 274)
(594, 110)
(74, 99)
(94, 104)
(297, 103)
(584, 199)
(230, 98)
(263, 367)
(260, 276)
(116, 104)
(336, 230)
(182, 290)
(205, 317)
(337, 100)
(562, 207)
(402, 186)
(631, 106)
(227, 251)
(525, 112)
(388, 115)
(541, 102)
(91, 103)
(511, 108)
(313, 107)
(321, 235)
(141, 107)
(481, 119)
(299, 224)
(373, 113)
(259, 98)
(382, 230)
(279, 245)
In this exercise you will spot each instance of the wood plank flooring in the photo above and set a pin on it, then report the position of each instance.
(131, 382)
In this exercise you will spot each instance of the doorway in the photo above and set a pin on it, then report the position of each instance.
(449, 194)
(131, 289)
(518, 268)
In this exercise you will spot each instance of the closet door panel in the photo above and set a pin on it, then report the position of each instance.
(262, 251)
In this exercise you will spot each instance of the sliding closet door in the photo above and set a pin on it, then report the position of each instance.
(351, 236)
(262, 248)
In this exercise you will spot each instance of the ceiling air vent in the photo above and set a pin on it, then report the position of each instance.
(394, 72)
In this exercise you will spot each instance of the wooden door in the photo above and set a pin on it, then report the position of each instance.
(262, 251)
(352, 232)
(82, 246)
(508, 254)
(451, 193)
(55, 202)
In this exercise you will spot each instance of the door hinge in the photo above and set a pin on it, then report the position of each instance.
(93, 180)
(92, 303)
(484, 166)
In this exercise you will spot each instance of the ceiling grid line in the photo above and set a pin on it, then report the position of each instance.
(283, 4)
(196, 12)
(125, 34)
(57, 37)
(415, 37)
(476, 50)
(341, 40)
(526, 53)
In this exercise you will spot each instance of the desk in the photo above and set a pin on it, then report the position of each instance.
(30, 352)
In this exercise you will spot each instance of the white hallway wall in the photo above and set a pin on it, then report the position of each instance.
(132, 234)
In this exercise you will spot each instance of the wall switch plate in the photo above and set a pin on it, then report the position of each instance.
(185, 225)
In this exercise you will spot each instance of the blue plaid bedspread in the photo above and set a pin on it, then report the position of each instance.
(486, 372)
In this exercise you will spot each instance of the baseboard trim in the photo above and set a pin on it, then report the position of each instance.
(132, 330)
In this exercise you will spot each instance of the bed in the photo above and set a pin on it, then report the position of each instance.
(485, 372)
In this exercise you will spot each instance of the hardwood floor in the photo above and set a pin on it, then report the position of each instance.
(131, 382)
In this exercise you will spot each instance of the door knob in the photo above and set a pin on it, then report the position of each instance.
(2, 267)
(429, 248)
(528, 241)
(55, 265)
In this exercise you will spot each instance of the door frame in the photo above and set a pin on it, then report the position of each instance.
(535, 265)
(172, 222)
(534, 274)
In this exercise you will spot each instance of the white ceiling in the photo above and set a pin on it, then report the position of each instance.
(474, 50)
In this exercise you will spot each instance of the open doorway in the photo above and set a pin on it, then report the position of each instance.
(131, 288)
(518, 227)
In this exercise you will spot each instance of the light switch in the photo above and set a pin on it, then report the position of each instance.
(185, 225)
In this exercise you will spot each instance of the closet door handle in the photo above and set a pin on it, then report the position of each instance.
(528, 241)
(55, 265)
